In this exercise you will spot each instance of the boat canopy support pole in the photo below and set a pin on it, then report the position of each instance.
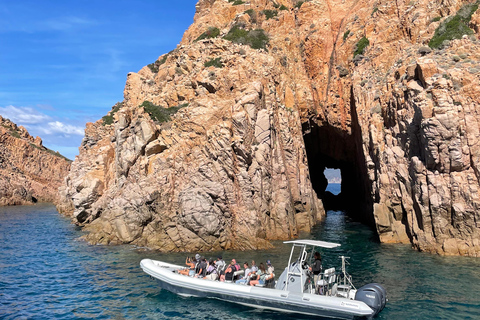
(301, 258)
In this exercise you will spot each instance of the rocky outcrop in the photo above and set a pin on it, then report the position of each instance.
(228, 171)
(345, 84)
(29, 172)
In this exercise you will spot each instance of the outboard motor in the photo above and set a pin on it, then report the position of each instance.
(374, 296)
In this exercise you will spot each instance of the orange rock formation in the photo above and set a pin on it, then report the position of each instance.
(242, 162)
(28, 171)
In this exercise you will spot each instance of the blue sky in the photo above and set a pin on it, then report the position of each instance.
(65, 63)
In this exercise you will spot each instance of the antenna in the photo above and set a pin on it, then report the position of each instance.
(346, 276)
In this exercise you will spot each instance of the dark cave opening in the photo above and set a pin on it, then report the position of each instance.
(331, 147)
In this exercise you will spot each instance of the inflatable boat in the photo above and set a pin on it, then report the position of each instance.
(332, 296)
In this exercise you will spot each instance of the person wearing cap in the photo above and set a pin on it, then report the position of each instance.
(197, 263)
(270, 271)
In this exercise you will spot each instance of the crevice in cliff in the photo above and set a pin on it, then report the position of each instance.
(330, 147)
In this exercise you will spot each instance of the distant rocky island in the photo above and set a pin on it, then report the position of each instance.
(29, 172)
(223, 142)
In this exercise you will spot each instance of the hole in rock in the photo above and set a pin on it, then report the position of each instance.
(328, 148)
(332, 199)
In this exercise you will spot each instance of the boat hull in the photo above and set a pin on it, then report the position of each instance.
(257, 297)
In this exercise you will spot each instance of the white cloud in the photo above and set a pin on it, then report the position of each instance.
(59, 127)
(39, 123)
(23, 115)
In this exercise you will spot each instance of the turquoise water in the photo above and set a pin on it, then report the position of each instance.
(47, 273)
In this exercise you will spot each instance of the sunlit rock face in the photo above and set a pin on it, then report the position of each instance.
(228, 171)
(29, 172)
(240, 159)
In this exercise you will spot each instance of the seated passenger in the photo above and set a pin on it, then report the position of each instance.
(211, 273)
(202, 268)
(190, 271)
(261, 273)
(269, 279)
(246, 276)
(232, 267)
(220, 265)
(254, 266)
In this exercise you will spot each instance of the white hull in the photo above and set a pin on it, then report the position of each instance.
(257, 297)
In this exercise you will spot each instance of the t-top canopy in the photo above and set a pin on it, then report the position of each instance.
(315, 243)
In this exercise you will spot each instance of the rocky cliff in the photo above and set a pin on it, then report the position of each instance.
(29, 172)
(222, 143)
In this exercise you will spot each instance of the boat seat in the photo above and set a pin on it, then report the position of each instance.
(324, 284)
(237, 273)
(268, 284)
(343, 290)
(344, 287)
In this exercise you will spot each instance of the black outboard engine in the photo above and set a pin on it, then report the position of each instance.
(374, 296)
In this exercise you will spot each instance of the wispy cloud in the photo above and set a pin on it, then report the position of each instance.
(59, 127)
(23, 115)
(39, 123)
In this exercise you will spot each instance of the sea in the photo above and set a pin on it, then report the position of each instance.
(47, 272)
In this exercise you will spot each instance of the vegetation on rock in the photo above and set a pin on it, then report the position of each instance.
(253, 15)
(159, 113)
(454, 27)
(217, 63)
(269, 14)
(156, 65)
(361, 45)
(299, 4)
(212, 32)
(108, 119)
(256, 39)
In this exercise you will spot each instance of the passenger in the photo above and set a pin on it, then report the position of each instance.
(246, 275)
(316, 268)
(202, 268)
(211, 271)
(254, 266)
(261, 273)
(220, 265)
(197, 263)
(232, 267)
(270, 273)
(190, 262)
(253, 273)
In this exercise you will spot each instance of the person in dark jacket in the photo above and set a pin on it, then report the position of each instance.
(202, 268)
(231, 269)
(316, 267)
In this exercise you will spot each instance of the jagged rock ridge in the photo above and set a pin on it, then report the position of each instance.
(29, 172)
(230, 169)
